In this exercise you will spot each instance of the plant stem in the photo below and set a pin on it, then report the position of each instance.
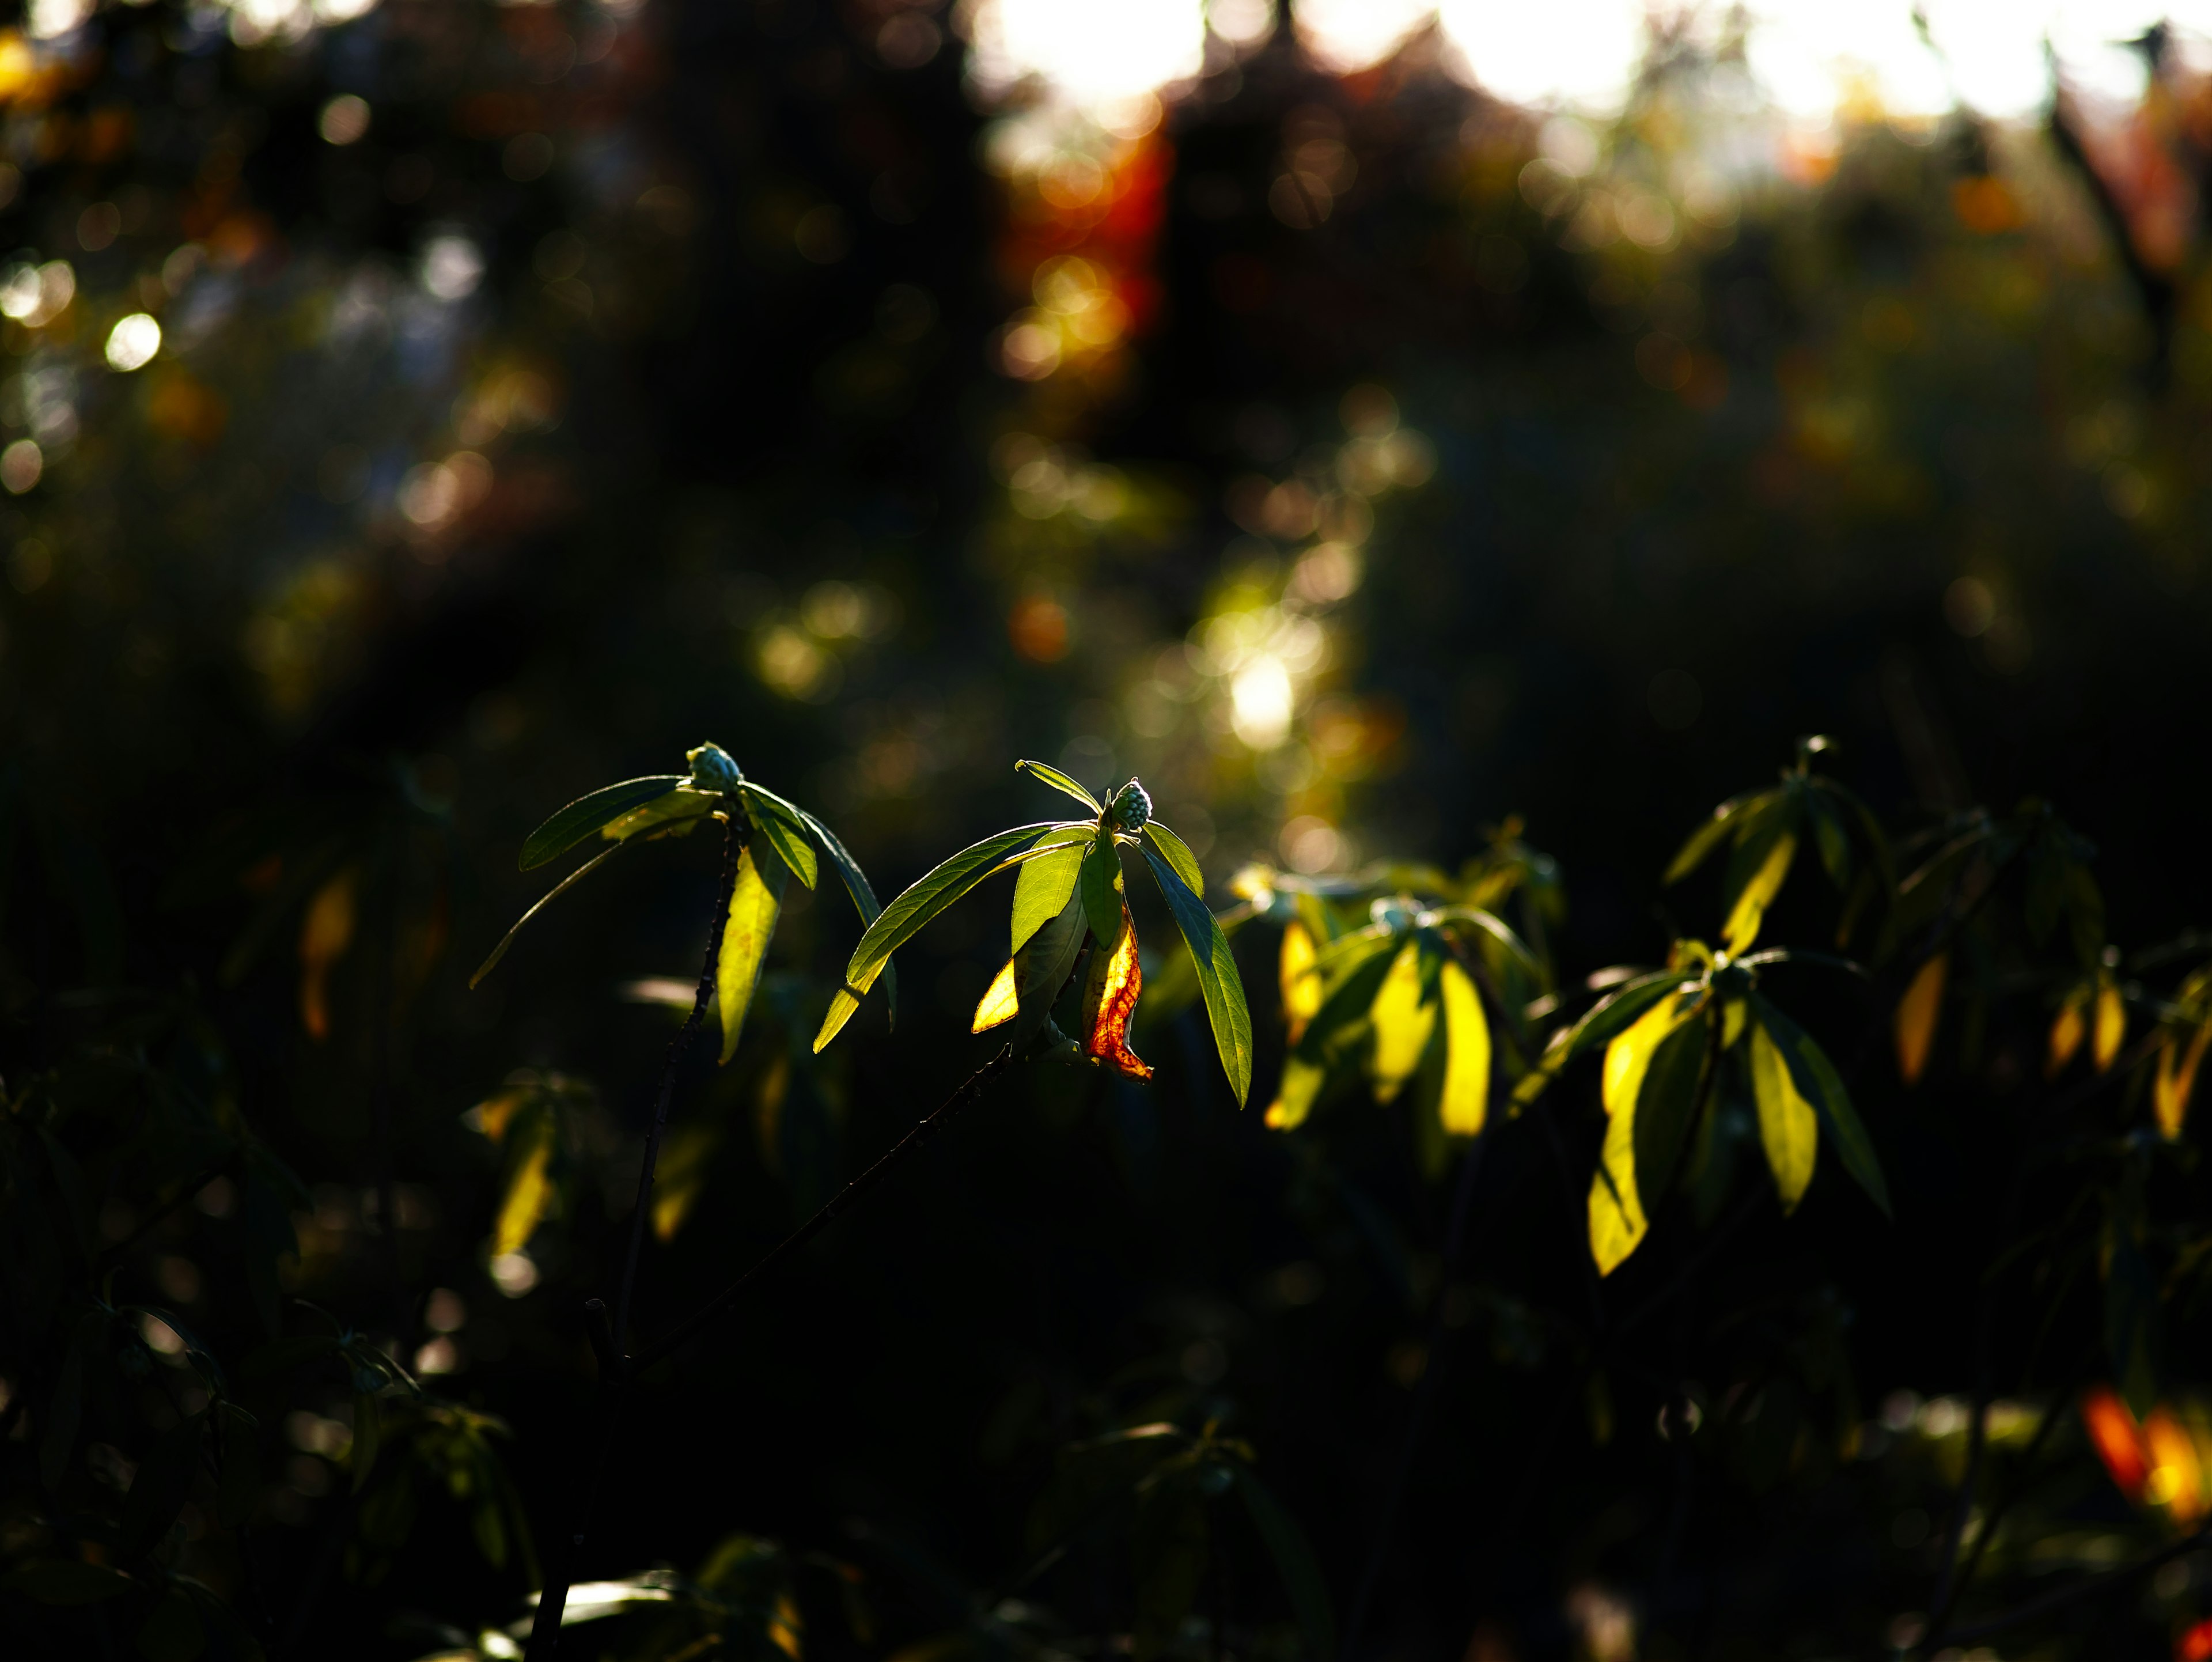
(2087, 1587)
(607, 1339)
(1417, 1420)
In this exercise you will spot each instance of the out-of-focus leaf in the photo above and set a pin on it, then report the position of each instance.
(1171, 1546)
(367, 1438)
(1617, 1219)
(1098, 884)
(240, 1489)
(1917, 1014)
(2112, 1025)
(1299, 979)
(1218, 980)
(1813, 1078)
(326, 932)
(863, 894)
(1829, 836)
(2176, 1080)
(528, 1188)
(1294, 1562)
(1621, 1009)
(785, 829)
(2068, 1029)
(1042, 884)
(681, 1176)
(69, 1183)
(1109, 1000)
(756, 900)
(1463, 1105)
(161, 1488)
(547, 899)
(905, 916)
(66, 1581)
(587, 814)
(1775, 850)
(1294, 1094)
(1176, 853)
(1667, 1102)
(1707, 837)
(1403, 1017)
(281, 1356)
(1788, 1128)
(1061, 781)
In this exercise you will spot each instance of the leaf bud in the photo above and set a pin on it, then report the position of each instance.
(712, 770)
(1131, 808)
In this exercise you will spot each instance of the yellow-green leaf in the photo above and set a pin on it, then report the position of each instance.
(2177, 1079)
(529, 1190)
(1616, 1223)
(1043, 884)
(1403, 1020)
(1788, 1127)
(784, 827)
(755, 899)
(1629, 1054)
(1300, 979)
(2068, 1029)
(1750, 909)
(2111, 1026)
(1916, 1016)
(1294, 1096)
(1464, 1105)
(681, 1176)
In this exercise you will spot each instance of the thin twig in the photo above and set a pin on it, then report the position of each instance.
(2089, 1586)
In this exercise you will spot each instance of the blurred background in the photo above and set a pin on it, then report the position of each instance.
(1368, 422)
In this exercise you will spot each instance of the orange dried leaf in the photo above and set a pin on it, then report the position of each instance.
(2111, 1026)
(1109, 1000)
(2177, 1079)
(1916, 1016)
(2068, 1029)
(2118, 1438)
(325, 933)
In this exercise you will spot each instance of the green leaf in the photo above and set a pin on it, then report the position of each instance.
(675, 815)
(1666, 1104)
(1294, 1562)
(550, 896)
(1098, 881)
(1043, 888)
(1703, 840)
(755, 899)
(1618, 1009)
(1176, 853)
(863, 894)
(1766, 844)
(587, 814)
(1788, 1127)
(1813, 1078)
(66, 1581)
(527, 1192)
(907, 914)
(1218, 980)
(785, 829)
(1059, 781)
(1829, 836)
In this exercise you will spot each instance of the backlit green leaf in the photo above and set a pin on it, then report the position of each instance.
(1463, 1105)
(1788, 1128)
(784, 827)
(1727, 818)
(1218, 980)
(549, 898)
(755, 899)
(1059, 781)
(1813, 1078)
(1044, 884)
(587, 814)
(863, 894)
(1177, 853)
(1098, 882)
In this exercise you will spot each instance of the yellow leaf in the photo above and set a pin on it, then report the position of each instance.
(1616, 1223)
(1402, 1024)
(1301, 981)
(2112, 1025)
(681, 1176)
(2068, 1029)
(2177, 1079)
(529, 1188)
(326, 932)
(785, 1626)
(1465, 1103)
(1294, 1097)
(998, 1002)
(755, 900)
(1787, 1124)
(491, 1115)
(1750, 910)
(1916, 1016)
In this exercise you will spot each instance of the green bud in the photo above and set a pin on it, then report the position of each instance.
(1131, 808)
(712, 770)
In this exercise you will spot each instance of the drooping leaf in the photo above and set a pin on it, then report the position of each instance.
(1109, 1000)
(1098, 884)
(1218, 980)
(1463, 1105)
(1403, 1016)
(999, 1003)
(756, 900)
(785, 829)
(587, 814)
(1668, 1100)
(326, 932)
(2176, 1080)
(1788, 1128)
(2112, 1025)
(1025, 990)
(1042, 884)
(528, 1189)
(1061, 781)
(1177, 853)
(862, 892)
(1829, 836)
(1917, 1014)
(1294, 1562)
(1618, 1222)
(550, 896)
(2068, 1029)
(1300, 979)
(907, 914)
(1775, 850)
(1813, 1078)
(680, 1178)
(1621, 1009)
